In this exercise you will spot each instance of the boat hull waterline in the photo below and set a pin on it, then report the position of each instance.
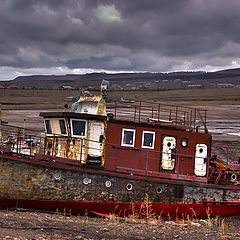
(158, 210)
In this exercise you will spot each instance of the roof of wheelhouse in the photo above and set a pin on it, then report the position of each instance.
(72, 115)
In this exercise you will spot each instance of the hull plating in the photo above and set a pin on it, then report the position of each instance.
(34, 184)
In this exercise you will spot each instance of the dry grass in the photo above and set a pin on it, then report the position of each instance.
(189, 228)
(196, 97)
(36, 225)
(18, 98)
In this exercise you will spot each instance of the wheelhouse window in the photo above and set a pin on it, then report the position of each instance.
(128, 137)
(78, 128)
(62, 126)
(48, 126)
(148, 139)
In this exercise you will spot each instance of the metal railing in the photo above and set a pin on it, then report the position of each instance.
(227, 154)
(158, 113)
(29, 142)
(21, 140)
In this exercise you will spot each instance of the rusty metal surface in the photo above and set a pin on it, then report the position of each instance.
(91, 105)
(30, 181)
(150, 160)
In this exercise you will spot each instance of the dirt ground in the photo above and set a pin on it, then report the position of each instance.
(32, 225)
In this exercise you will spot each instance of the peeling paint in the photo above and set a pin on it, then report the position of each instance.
(29, 181)
(91, 105)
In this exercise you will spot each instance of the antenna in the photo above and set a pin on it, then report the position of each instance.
(104, 87)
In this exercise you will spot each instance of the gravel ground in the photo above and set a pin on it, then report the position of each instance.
(34, 225)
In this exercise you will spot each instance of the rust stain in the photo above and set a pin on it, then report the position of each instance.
(104, 143)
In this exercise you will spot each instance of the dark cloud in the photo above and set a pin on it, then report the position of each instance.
(153, 35)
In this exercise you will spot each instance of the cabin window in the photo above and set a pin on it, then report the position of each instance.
(78, 128)
(62, 126)
(184, 142)
(128, 137)
(148, 139)
(48, 126)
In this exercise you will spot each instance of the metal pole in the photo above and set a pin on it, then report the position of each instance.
(194, 118)
(115, 113)
(176, 115)
(159, 111)
(139, 111)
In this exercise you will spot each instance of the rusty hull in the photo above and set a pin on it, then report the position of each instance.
(34, 180)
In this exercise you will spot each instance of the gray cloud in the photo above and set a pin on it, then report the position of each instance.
(118, 35)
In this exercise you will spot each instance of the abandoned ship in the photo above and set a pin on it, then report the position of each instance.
(115, 157)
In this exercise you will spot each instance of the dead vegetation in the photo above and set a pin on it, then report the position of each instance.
(34, 225)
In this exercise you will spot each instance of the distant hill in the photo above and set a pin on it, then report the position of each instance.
(130, 80)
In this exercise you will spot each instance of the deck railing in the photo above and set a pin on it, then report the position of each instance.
(21, 140)
(31, 142)
(158, 113)
(228, 154)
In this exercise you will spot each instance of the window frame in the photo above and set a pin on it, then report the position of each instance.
(152, 147)
(66, 134)
(134, 133)
(51, 125)
(80, 120)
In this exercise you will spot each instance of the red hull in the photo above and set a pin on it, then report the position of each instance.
(124, 209)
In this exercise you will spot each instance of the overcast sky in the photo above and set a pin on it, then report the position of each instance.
(79, 36)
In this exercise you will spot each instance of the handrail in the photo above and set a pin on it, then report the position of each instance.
(141, 111)
(230, 152)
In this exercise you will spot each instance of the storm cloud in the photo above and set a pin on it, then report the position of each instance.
(77, 36)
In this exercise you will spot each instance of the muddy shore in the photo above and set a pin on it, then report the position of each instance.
(35, 225)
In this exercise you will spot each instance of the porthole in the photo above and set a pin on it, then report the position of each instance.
(184, 142)
(159, 190)
(87, 181)
(169, 144)
(57, 176)
(234, 177)
(200, 150)
(129, 186)
(108, 184)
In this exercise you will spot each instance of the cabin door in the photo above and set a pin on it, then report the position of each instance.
(95, 139)
(200, 160)
(168, 153)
